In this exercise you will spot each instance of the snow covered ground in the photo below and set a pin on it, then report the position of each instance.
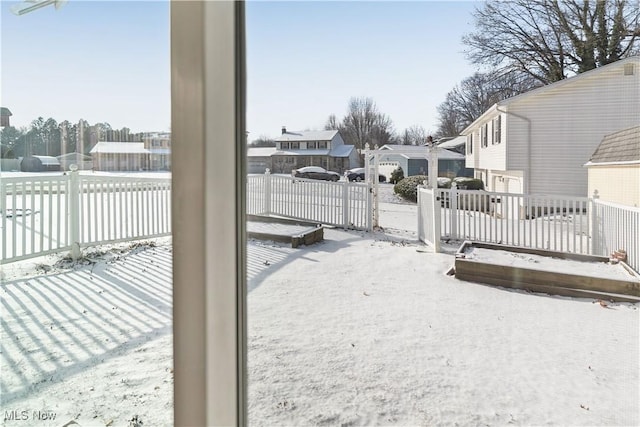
(361, 329)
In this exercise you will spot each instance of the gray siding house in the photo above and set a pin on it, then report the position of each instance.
(324, 148)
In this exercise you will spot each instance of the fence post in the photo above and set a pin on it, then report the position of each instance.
(74, 212)
(267, 192)
(372, 220)
(453, 209)
(345, 204)
(594, 225)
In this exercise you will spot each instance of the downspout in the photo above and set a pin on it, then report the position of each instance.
(527, 180)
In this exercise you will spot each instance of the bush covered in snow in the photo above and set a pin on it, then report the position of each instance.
(465, 183)
(408, 187)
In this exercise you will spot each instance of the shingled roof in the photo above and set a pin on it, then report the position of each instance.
(619, 147)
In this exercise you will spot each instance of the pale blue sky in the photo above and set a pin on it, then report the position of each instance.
(109, 61)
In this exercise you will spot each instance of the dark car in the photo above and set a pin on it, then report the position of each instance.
(315, 172)
(357, 175)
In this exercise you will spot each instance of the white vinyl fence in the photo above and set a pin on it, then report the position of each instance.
(343, 204)
(52, 213)
(559, 223)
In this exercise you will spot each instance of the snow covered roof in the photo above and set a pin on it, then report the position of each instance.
(454, 142)
(342, 151)
(260, 151)
(420, 152)
(47, 160)
(107, 147)
(622, 147)
(313, 135)
(301, 153)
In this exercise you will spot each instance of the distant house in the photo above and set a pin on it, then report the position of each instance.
(313, 148)
(614, 168)
(414, 160)
(5, 113)
(120, 156)
(538, 142)
(259, 159)
(159, 146)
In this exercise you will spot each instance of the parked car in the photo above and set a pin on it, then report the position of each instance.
(357, 174)
(315, 172)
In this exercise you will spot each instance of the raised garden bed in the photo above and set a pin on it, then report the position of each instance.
(284, 230)
(550, 272)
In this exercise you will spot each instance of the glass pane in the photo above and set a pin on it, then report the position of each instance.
(365, 304)
(85, 212)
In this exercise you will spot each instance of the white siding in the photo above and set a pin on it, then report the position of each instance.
(567, 125)
(617, 184)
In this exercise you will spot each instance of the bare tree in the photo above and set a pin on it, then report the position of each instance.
(415, 135)
(549, 39)
(474, 95)
(263, 141)
(364, 124)
(332, 123)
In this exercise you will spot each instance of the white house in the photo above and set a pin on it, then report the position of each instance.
(614, 168)
(538, 142)
(324, 148)
(120, 156)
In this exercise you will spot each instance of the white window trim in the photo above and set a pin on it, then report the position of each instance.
(208, 219)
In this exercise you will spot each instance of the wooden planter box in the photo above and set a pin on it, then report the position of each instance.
(538, 280)
(284, 230)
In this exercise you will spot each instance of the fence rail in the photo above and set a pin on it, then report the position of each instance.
(52, 213)
(343, 204)
(560, 223)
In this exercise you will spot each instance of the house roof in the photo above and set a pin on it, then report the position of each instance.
(301, 153)
(453, 142)
(622, 147)
(342, 151)
(260, 151)
(420, 152)
(4, 111)
(314, 135)
(107, 147)
(556, 85)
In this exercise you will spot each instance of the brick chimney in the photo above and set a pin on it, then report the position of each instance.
(284, 130)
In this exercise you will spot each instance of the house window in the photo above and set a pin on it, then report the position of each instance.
(284, 145)
(497, 135)
(288, 160)
(470, 143)
(322, 144)
(628, 69)
(311, 144)
(484, 135)
(295, 145)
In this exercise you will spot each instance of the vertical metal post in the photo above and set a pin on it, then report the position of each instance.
(453, 209)
(74, 211)
(594, 229)
(436, 225)
(372, 220)
(375, 184)
(267, 192)
(345, 204)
